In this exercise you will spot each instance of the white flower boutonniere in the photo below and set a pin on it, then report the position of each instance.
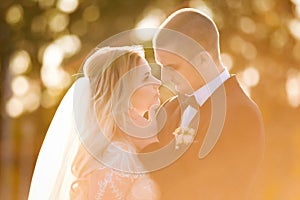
(184, 134)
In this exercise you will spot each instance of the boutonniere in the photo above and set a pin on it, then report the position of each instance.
(184, 134)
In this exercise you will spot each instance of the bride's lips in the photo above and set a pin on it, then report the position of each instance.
(157, 94)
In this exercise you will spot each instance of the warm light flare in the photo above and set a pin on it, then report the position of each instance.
(250, 76)
(248, 79)
(14, 14)
(55, 77)
(201, 6)
(67, 6)
(297, 11)
(245, 87)
(249, 51)
(296, 2)
(58, 22)
(227, 60)
(19, 62)
(20, 85)
(53, 56)
(69, 44)
(151, 20)
(246, 49)
(49, 97)
(247, 25)
(14, 107)
(236, 43)
(91, 13)
(293, 89)
(263, 5)
(45, 4)
(279, 38)
(294, 27)
(31, 101)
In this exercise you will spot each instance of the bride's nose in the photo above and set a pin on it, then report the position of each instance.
(156, 86)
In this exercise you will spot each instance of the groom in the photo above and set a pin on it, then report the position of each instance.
(224, 157)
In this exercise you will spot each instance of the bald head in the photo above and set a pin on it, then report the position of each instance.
(194, 24)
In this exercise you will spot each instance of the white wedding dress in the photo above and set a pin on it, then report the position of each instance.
(122, 176)
(108, 183)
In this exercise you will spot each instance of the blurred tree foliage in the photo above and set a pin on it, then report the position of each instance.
(260, 35)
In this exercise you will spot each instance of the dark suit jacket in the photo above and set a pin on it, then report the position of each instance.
(229, 170)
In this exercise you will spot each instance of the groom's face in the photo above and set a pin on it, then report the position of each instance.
(178, 71)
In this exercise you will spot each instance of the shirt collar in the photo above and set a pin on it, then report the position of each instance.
(202, 94)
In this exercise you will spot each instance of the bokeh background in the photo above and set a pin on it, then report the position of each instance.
(43, 43)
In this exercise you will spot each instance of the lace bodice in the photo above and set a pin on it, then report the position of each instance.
(109, 183)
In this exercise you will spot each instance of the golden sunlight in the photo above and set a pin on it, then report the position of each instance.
(227, 60)
(279, 38)
(39, 24)
(151, 20)
(294, 27)
(14, 14)
(250, 76)
(49, 97)
(53, 56)
(55, 77)
(69, 44)
(296, 2)
(247, 25)
(297, 11)
(91, 13)
(236, 43)
(45, 4)
(263, 5)
(14, 107)
(67, 6)
(293, 89)
(200, 5)
(19, 62)
(31, 101)
(249, 51)
(58, 22)
(20, 85)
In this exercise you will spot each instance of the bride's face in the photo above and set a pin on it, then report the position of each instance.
(147, 86)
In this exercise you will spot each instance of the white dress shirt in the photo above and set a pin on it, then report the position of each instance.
(203, 93)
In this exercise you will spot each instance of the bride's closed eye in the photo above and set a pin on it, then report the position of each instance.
(147, 76)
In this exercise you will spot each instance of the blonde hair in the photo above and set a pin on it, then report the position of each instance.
(193, 24)
(104, 68)
(104, 71)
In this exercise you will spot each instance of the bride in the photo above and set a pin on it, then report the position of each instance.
(90, 149)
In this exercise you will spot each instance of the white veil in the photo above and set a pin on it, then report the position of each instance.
(73, 136)
(59, 148)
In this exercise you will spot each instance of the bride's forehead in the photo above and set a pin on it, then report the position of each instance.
(138, 70)
(142, 61)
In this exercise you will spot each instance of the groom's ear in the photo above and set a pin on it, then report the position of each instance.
(202, 59)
